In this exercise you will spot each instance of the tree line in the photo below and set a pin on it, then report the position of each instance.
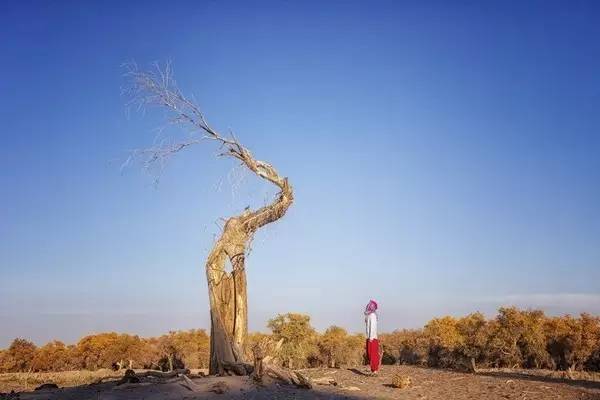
(514, 338)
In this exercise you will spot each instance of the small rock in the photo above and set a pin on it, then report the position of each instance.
(400, 381)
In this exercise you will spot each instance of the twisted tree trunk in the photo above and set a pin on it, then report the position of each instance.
(227, 290)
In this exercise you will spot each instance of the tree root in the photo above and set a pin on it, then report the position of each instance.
(163, 375)
(239, 369)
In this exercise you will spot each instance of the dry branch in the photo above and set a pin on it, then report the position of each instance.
(189, 384)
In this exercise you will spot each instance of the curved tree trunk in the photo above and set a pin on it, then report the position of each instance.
(227, 289)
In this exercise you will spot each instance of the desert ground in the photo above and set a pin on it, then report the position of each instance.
(349, 384)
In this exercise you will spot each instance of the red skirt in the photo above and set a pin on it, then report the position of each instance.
(373, 354)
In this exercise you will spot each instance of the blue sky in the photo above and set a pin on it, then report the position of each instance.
(445, 159)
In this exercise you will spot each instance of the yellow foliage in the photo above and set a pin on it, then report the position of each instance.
(299, 339)
(514, 338)
(337, 348)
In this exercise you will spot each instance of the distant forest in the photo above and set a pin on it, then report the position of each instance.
(514, 339)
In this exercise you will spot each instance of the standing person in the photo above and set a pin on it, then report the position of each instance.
(372, 341)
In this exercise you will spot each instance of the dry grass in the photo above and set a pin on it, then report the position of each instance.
(24, 381)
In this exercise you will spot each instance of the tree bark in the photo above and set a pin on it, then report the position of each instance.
(227, 290)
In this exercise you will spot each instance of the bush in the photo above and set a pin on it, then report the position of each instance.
(573, 342)
(53, 357)
(337, 348)
(517, 339)
(109, 350)
(444, 339)
(18, 357)
(474, 330)
(299, 347)
(407, 346)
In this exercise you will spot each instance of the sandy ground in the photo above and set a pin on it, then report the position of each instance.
(349, 384)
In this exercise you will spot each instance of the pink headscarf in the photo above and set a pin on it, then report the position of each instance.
(371, 307)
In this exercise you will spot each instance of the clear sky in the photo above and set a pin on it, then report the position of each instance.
(445, 159)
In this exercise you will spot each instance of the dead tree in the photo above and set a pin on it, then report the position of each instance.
(226, 289)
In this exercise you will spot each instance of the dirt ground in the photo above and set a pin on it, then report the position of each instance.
(350, 384)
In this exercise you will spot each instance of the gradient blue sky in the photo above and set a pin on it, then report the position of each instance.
(445, 157)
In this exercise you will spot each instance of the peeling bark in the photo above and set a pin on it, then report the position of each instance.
(227, 291)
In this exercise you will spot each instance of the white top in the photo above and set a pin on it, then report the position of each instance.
(371, 322)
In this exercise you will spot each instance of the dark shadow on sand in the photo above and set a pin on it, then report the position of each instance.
(156, 391)
(536, 378)
(358, 372)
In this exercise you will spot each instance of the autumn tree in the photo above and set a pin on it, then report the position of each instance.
(109, 350)
(474, 330)
(338, 348)
(505, 331)
(19, 356)
(226, 263)
(517, 338)
(405, 346)
(184, 349)
(53, 356)
(194, 347)
(572, 341)
(152, 356)
(299, 338)
(532, 342)
(444, 337)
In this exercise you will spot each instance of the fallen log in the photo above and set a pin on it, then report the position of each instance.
(239, 369)
(264, 366)
(135, 377)
(288, 376)
(163, 375)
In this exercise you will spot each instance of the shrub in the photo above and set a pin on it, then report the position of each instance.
(407, 346)
(109, 350)
(192, 346)
(18, 357)
(444, 338)
(337, 348)
(299, 339)
(53, 356)
(474, 330)
(572, 342)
